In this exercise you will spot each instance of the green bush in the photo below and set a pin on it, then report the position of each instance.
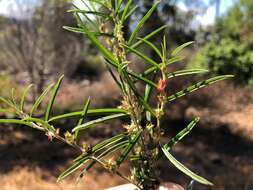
(227, 56)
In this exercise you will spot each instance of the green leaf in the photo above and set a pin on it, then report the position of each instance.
(164, 50)
(174, 60)
(150, 71)
(106, 53)
(186, 72)
(108, 142)
(80, 20)
(137, 44)
(52, 98)
(99, 120)
(118, 5)
(148, 90)
(181, 134)
(132, 142)
(85, 110)
(105, 153)
(100, 14)
(104, 144)
(143, 56)
(39, 99)
(197, 86)
(91, 112)
(73, 168)
(123, 17)
(22, 102)
(7, 102)
(141, 78)
(81, 31)
(84, 113)
(152, 46)
(141, 23)
(131, 12)
(15, 121)
(184, 169)
(180, 48)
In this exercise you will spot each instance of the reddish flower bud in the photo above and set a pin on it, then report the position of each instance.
(161, 85)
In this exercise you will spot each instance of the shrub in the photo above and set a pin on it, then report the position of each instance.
(141, 142)
(227, 55)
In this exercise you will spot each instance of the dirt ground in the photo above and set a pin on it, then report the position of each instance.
(220, 148)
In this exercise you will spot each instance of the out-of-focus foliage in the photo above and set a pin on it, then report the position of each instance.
(231, 48)
(227, 56)
(237, 23)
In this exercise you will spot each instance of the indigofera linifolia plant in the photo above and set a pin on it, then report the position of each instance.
(102, 22)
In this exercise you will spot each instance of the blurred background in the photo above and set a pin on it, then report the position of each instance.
(34, 48)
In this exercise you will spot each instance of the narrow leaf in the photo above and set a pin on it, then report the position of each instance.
(126, 11)
(73, 168)
(22, 102)
(141, 78)
(96, 121)
(143, 56)
(180, 48)
(90, 112)
(106, 53)
(7, 102)
(138, 43)
(152, 46)
(84, 113)
(174, 60)
(15, 121)
(131, 12)
(105, 153)
(141, 23)
(150, 70)
(197, 86)
(39, 99)
(85, 110)
(52, 98)
(132, 141)
(100, 14)
(80, 20)
(148, 90)
(181, 134)
(184, 169)
(81, 31)
(104, 144)
(186, 72)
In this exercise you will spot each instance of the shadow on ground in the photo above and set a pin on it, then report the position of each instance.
(217, 154)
